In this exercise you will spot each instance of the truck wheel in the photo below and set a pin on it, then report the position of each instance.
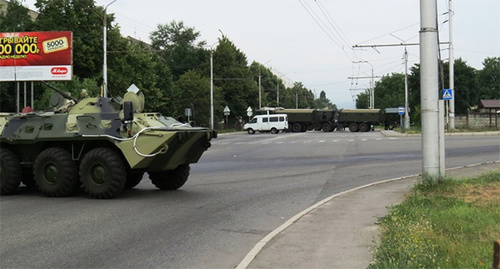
(364, 127)
(274, 131)
(102, 173)
(55, 172)
(170, 180)
(296, 127)
(10, 172)
(250, 131)
(353, 127)
(327, 127)
(133, 179)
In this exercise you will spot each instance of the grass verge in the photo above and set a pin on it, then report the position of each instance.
(452, 224)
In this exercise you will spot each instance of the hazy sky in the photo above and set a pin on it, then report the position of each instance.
(311, 41)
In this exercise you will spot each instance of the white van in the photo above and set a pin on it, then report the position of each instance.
(267, 123)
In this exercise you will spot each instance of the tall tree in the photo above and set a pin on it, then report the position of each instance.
(466, 92)
(363, 100)
(178, 47)
(233, 76)
(85, 20)
(389, 91)
(488, 79)
(16, 18)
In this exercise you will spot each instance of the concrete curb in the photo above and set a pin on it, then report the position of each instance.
(391, 133)
(260, 245)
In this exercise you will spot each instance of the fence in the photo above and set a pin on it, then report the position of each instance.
(475, 120)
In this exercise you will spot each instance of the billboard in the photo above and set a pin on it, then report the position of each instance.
(32, 56)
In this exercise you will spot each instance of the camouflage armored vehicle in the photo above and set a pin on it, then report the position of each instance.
(104, 144)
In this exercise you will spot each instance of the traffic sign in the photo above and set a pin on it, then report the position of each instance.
(401, 110)
(447, 94)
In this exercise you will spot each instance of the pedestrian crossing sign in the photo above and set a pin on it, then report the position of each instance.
(447, 94)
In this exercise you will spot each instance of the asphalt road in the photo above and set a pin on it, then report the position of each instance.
(243, 187)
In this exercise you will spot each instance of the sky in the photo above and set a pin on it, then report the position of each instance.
(311, 41)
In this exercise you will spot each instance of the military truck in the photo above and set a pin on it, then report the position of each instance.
(301, 120)
(360, 120)
(103, 144)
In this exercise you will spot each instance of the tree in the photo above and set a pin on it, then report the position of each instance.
(488, 79)
(178, 47)
(16, 18)
(323, 102)
(390, 91)
(194, 92)
(363, 100)
(235, 79)
(465, 92)
(85, 20)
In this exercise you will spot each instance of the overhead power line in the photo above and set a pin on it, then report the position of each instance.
(325, 28)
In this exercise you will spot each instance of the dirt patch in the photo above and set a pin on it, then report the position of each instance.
(480, 194)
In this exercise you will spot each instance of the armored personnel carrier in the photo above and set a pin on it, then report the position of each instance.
(102, 144)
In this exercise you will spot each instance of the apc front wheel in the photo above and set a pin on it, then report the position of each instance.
(102, 173)
(10, 172)
(55, 172)
(170, 180)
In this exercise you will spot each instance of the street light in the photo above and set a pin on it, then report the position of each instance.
(260, 88)
(212, 86)
(105, 65)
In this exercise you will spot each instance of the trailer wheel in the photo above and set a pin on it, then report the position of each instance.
(170, 180)
(364, 127)
(55, 172)
(296, 127)
(250, 131)
(102, 173)
(10, 172)
(353, 127)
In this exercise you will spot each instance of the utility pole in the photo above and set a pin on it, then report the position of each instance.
(372, 84)
(407, 115)
(452, 71)
(432, 167)
(105, 64)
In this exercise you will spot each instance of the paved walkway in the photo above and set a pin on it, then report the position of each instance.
(341, 231)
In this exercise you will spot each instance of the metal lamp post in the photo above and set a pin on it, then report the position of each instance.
(105, 64)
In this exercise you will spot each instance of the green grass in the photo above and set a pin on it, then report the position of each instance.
(452, 224)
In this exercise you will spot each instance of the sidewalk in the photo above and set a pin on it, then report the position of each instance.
(340, 231)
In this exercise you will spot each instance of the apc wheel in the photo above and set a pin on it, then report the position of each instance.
(102, 173)
(363, 127)
(170, 180)
(274, 131)
(250, 131)
(353, 127)
(55, 172)
(133, 178)
(296, 127)
(10, 172)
